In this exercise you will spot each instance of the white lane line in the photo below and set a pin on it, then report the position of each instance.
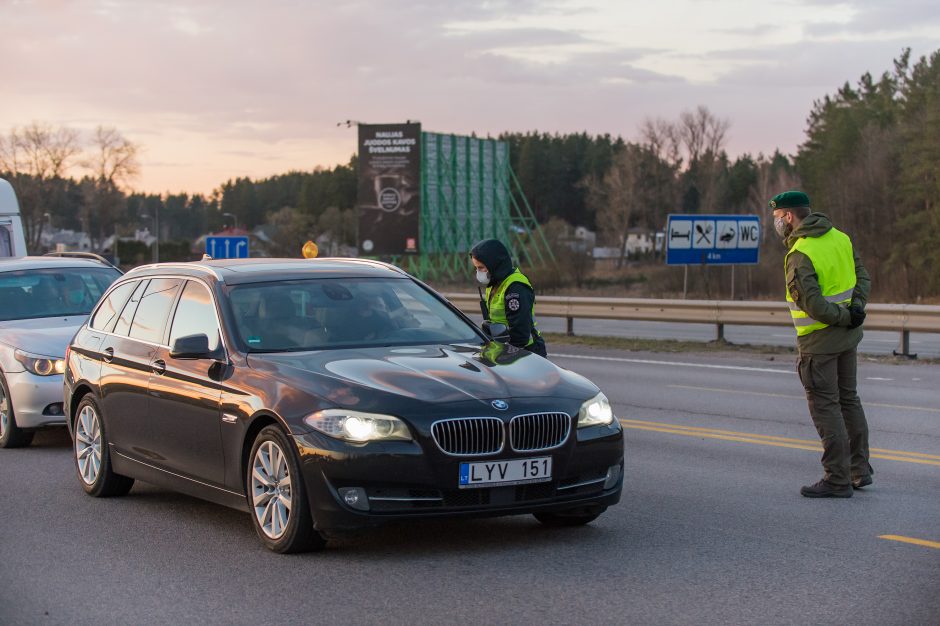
(739, 368)
(877, 378)
(905, 407)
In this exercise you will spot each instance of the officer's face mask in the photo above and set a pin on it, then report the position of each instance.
(483, 277)
(783, 229)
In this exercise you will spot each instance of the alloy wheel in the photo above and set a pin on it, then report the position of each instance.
(88, 445)
(271, 489)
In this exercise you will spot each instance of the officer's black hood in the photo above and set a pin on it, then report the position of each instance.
(495, 256)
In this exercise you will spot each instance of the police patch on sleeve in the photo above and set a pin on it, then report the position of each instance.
(513, 304)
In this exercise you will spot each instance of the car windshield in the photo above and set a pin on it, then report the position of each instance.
(328, 313)
(52, 292)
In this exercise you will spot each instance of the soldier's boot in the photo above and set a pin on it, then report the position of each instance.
(826, 489)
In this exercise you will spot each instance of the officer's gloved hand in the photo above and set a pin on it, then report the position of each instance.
(856, 315)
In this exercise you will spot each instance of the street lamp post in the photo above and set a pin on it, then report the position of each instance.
(157, 233)
(234, 220)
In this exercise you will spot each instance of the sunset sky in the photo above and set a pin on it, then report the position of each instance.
(214, 90)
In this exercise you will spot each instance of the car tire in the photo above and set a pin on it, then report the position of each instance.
(277, 496)
(574, 517)
(92, 453)
(11, 435)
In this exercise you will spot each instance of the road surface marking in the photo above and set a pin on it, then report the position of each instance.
(916, 542)
(877, 378)
(882, 405)
(771, 440)
(675, 363)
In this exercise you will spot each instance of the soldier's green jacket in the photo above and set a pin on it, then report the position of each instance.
(803, 285)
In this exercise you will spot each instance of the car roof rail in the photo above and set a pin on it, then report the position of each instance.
(91, 256)
(191, 265)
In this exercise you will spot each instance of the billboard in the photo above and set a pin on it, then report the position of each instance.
(389, 199)
(712, 239)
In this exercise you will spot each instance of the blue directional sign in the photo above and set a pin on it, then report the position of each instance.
(227, 247)
(712, 239)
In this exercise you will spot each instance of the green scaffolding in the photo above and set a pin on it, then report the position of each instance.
(468, 193)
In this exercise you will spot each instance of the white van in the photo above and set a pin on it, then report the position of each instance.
(12, 241)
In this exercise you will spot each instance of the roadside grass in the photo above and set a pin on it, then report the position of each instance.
(661, 345)
(673, 345)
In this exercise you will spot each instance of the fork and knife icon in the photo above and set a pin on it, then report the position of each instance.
(703, 233)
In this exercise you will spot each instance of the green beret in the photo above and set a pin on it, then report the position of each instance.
(789, 200)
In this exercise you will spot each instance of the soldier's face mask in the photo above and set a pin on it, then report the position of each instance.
(483, 277)
(783, 229)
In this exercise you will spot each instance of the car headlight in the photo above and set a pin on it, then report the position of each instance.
(357, 426)
(595, 411)
(39, 364)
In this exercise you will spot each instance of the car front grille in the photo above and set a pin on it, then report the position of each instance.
(538, 431)
(469, 436)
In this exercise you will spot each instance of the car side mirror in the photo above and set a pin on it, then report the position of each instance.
(496, 331)
(192, 347)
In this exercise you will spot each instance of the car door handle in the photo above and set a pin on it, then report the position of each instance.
(158, 367)
(108, 355)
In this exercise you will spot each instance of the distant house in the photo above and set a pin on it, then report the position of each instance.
(63, 240)
(639, 241)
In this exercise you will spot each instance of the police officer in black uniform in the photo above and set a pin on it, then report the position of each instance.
(510, 299)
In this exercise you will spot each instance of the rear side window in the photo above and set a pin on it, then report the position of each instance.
(112, 305)
(153, 309)
(195, 315)
(127, 315)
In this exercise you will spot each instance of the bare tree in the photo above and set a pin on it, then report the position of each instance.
(339, 227)
(113, 162)
(618, 197)
(661, 137)
(112, 157)
(37, 156)
(703, 136)
(701, 132)
(291, 230)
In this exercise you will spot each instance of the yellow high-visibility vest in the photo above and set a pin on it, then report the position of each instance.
(496, 303)
(834, 261)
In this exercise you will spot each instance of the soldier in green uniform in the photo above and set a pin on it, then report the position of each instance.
(510, 299)
(827, 289)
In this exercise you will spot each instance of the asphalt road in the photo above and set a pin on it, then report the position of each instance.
(711, 529)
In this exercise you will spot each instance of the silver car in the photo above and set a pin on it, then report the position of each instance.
(43, 301)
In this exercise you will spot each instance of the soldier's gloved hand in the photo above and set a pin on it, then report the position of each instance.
(856, 315)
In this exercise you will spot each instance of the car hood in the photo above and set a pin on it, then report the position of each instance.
(434, 374)
(47, 336)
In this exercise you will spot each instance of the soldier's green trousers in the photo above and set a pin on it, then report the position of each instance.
(830, 381)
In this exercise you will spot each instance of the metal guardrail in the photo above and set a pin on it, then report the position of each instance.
(902, 318)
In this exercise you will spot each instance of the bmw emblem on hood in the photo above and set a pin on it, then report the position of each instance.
(500, 405)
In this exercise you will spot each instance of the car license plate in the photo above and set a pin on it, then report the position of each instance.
(506, 472)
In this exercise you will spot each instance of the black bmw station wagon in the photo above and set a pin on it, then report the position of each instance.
(328, 395)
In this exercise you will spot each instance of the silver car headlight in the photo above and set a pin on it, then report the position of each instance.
(39, 364)
(358, 427)
(595, 412)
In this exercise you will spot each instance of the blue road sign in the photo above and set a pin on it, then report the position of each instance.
(227, 247)
(712, 239)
